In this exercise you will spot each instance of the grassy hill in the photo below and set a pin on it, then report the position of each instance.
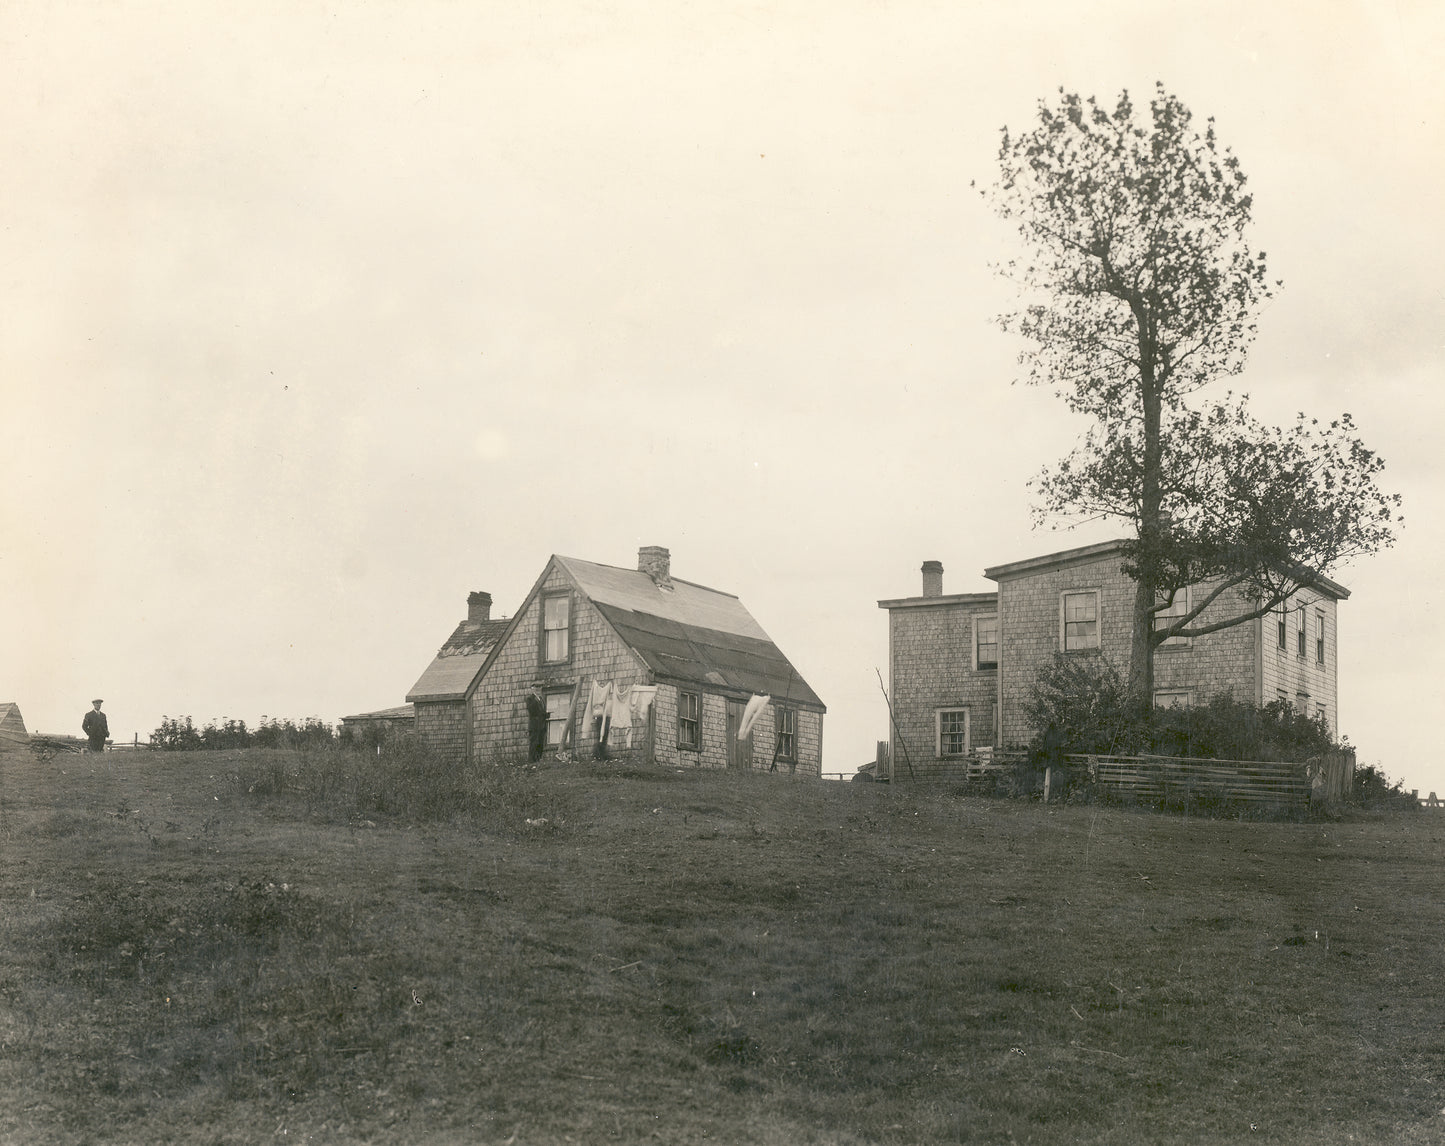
(247, 947)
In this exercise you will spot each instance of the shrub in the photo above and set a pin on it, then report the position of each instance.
(179, 734)
(1372, 789)
(1082, 707)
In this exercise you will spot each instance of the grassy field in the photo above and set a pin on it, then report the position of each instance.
(239, 948)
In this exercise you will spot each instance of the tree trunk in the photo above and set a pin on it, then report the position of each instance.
(1151, 523)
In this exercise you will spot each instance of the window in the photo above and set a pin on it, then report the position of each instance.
(1319, 638)
(1320, 713)
(1302, 703)
(1173, 698)
(689, 720)
(786, 725)
(556, 628)
(1168, 615)
(1300, 650)
(559, 708)
(985, 642)
(952, 731)
(1281, 697)
(1281, 633)
(1081, 620)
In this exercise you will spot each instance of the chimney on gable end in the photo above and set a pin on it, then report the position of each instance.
(656, 562)
(933, 578)
(479, 607)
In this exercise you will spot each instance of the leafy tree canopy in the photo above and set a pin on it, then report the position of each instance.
(1140, 290)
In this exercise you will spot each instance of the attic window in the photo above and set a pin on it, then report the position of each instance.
(556, 628)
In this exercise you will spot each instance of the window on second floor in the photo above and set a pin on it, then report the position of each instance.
(985, 642)
(1170, 614)
(1300, 637)
(1319, 638)
(556, 628)
(1081, 620)
(1282, 630)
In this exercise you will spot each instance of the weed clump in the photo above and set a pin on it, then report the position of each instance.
(405, 782)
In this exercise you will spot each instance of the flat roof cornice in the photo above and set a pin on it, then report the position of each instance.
(1063, 557)
(950, 599)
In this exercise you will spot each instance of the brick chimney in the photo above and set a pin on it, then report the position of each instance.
(656, 562)
(479, 607)
(933, 578)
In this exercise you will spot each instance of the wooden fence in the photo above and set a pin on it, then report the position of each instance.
(1179, 778)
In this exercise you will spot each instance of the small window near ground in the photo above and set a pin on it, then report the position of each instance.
(1173, 698)
(1081, 620)
(985, 642)
(786, 724)
(952, 731)
(689, 720)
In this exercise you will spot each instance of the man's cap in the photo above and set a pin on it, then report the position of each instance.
(97, 700)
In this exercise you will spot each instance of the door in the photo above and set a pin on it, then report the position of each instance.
(740, 751)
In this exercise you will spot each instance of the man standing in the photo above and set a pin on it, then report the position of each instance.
(94, 726)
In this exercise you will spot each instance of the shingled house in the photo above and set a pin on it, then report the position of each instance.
(602, 661)
(439, 697)
(961, 665)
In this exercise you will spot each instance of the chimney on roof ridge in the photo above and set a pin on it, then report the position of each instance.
(656, 562)
(933, 578)
(479, 607)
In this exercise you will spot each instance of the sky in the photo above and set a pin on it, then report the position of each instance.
(315, 317)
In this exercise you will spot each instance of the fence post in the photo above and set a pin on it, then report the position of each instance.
(1048, 774)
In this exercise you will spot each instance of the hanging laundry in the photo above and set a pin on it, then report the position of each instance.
(640, 701)
(621, 712)
(598, 699)
(755, 707)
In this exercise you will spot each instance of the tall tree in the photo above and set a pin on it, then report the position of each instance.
(1141, 289)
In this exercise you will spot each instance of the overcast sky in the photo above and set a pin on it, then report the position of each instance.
(314, 317)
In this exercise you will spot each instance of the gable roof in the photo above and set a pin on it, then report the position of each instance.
(12, 724)
(689, 633)
(399, 712)
(1105, 549)
(458, 661)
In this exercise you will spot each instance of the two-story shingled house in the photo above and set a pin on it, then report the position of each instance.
(626, 663)
(961, 665)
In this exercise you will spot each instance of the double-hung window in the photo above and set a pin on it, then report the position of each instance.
(1300, 642)
(559, 708)
(556, 628)
(952, 731)
(1319, 638)
(1282, 629)
(985, 642)
(1170, 614)
(689, 720)
(1080, 620)
(786, 724)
